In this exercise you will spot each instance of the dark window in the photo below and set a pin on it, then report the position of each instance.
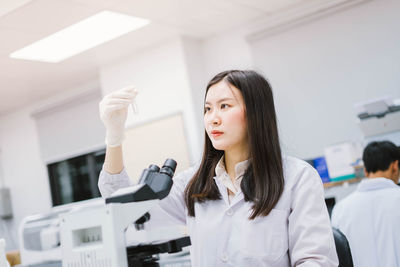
(75, 179)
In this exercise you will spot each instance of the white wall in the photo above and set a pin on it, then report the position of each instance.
(195, 71)
(227, 51)
(319, 70)
(24, 172)
(72, 127)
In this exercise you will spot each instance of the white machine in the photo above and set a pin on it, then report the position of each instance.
(96, 236)
(379, 119)
(39, 235)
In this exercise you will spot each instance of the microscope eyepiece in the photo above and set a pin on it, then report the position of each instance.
(169, 167)
(159, 180)
(170, 163)
(154, 168)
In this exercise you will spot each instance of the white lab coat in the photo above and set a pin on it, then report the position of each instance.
(370, 219)
(297, 232)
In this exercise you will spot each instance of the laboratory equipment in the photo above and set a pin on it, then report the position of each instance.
(97, 235)
(39, 235)
(379, 119)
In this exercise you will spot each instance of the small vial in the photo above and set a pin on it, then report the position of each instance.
(134, 107)
(133, 104)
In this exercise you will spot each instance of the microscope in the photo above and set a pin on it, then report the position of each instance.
(95, 235)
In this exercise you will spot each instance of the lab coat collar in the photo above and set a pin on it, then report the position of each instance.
(370, 184)
(224, 193)
(240, 168)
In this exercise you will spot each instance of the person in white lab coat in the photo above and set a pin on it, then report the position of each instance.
(370, 216)
(244, 204)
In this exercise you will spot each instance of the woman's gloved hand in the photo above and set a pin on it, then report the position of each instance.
(114, 111)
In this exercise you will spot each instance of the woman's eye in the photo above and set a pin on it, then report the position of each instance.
(206, 109)
(224, 105)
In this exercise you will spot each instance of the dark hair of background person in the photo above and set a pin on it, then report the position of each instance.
(378, 156)
(263, 181)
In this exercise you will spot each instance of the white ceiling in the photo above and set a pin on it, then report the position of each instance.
(23, 22)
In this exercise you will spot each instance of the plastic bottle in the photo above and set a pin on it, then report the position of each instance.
(3, 259)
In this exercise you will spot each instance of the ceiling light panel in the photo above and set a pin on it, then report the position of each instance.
(84, 35)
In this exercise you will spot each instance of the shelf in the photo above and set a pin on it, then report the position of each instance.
(349, 181)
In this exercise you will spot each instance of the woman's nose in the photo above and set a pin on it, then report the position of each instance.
(216, 120)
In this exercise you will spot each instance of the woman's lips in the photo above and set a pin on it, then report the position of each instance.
(216, 133)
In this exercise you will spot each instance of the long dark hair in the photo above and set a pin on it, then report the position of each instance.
(263, 181)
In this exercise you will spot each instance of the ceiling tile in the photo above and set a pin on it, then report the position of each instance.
(46, 16)
(270, 6)
(7, 6)
(16, 39)
(150, 9)
(217, 16)
(103, 4)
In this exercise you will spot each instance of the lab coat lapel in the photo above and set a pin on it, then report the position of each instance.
(224, 193)
(239, 197)
(222, 190)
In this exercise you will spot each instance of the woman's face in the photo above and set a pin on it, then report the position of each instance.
(225, 118)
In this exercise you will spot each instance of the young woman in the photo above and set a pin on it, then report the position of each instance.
(244, 204)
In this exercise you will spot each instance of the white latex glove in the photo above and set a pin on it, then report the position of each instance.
(113, 112)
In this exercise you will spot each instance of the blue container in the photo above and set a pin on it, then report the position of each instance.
(322, 169)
